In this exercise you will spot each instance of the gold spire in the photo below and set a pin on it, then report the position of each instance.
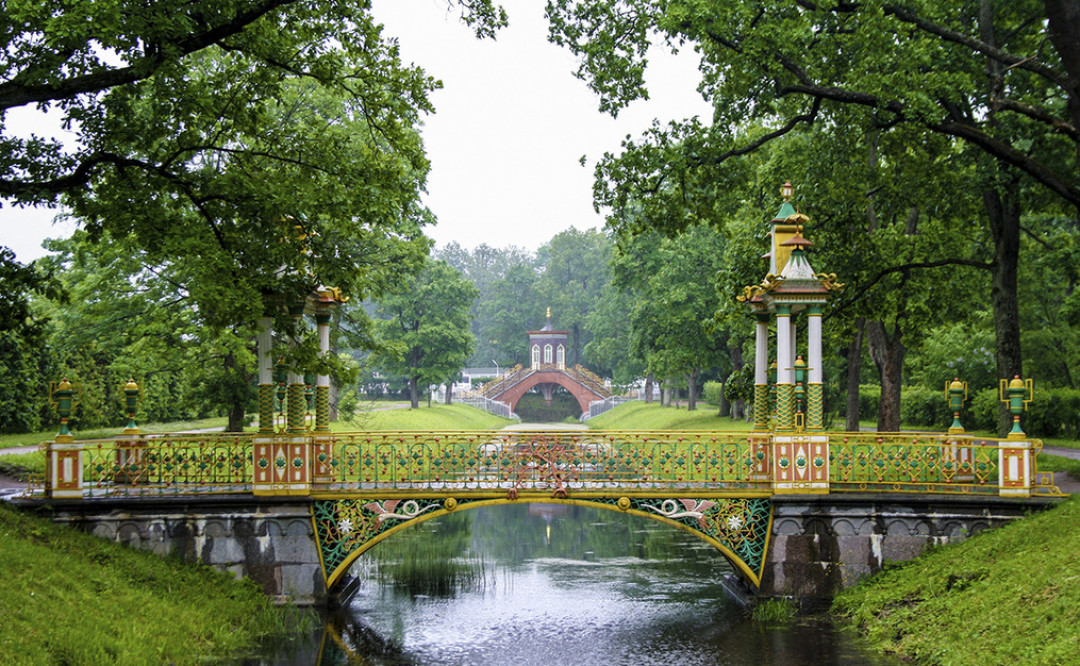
(549, 312)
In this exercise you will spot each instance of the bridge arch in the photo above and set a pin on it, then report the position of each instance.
(581, 393)
(738, 527)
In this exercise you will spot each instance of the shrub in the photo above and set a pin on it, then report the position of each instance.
(713, 392)
(1055, 412)
(921, 406)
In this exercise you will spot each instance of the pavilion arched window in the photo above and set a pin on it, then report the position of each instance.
(547, 354)
(560, 356)
(536, 355)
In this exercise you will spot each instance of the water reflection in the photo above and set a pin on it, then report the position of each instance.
(546, 584)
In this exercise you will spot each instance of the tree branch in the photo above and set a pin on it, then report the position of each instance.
(14, 93)
(904, 268)
(1030, 64)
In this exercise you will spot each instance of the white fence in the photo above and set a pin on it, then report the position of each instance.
(491, 406)
(598, 407)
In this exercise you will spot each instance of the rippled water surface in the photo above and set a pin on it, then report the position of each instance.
(566, 585)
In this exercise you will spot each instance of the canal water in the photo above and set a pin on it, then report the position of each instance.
(528, 585)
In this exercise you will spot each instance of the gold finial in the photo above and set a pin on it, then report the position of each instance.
(549, 313)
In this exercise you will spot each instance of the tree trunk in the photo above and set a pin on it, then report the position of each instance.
(738, 409)
(854, 370)
(414, 396)
(648, 388)
(236, 416)
(1063, 23)
(449, 392)
(691, 390)
(236, 406)
(1003, 214)
(888, 354)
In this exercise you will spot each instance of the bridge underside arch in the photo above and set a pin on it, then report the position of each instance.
(581, 393)
(738, 527)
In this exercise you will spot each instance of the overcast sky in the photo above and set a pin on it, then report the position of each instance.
(510, 127)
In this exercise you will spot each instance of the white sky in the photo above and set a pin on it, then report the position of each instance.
(511, 123)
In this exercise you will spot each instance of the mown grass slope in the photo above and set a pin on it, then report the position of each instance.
(70, 598)
(1006, 596)
(638, 415)
(436, 417)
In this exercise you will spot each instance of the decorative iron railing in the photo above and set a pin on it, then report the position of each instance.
(916, 463)
(536, 462)
(560, 464)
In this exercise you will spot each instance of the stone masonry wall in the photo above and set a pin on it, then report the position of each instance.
(270, 543)
(820, 545)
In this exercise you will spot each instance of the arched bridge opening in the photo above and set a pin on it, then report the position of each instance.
(738, 527)
(583, 394)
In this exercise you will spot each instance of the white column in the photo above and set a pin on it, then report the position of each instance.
(265, 343)
(785, 359)
(324, 345)
(761, 351)
(794, 352)
(814, 345)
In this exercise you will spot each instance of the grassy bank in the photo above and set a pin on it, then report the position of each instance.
(1005, 596)
(35, 438)
(68, 597)
(638, 415)
(435, 417)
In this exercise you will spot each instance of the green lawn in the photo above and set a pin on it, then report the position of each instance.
(70, 598)
(435, 417)
(638, 415)
(35, 438)
(1006, 596)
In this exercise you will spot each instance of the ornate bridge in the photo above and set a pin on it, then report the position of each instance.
(343, 493)
(584, 385)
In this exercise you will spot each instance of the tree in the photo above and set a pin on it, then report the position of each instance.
(511, 307)
(505, 279)
(427, 327)
(574, 267)
(1002, 79)
(672, 319)
(84, 59)
(273, 140)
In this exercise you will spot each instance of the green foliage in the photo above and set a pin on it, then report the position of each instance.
(575, 269)
(146, 609)
(713, 392)
(740, 384)
(24, 371)
(507, 302)
(919, 407)
(1054, 413)
(532, 408)
(426, 327)
(962, 349)
(774, 611)
(929, 610)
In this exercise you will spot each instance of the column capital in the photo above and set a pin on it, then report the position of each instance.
(783, 310)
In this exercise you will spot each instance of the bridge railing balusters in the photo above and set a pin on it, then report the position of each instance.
(545, 462)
